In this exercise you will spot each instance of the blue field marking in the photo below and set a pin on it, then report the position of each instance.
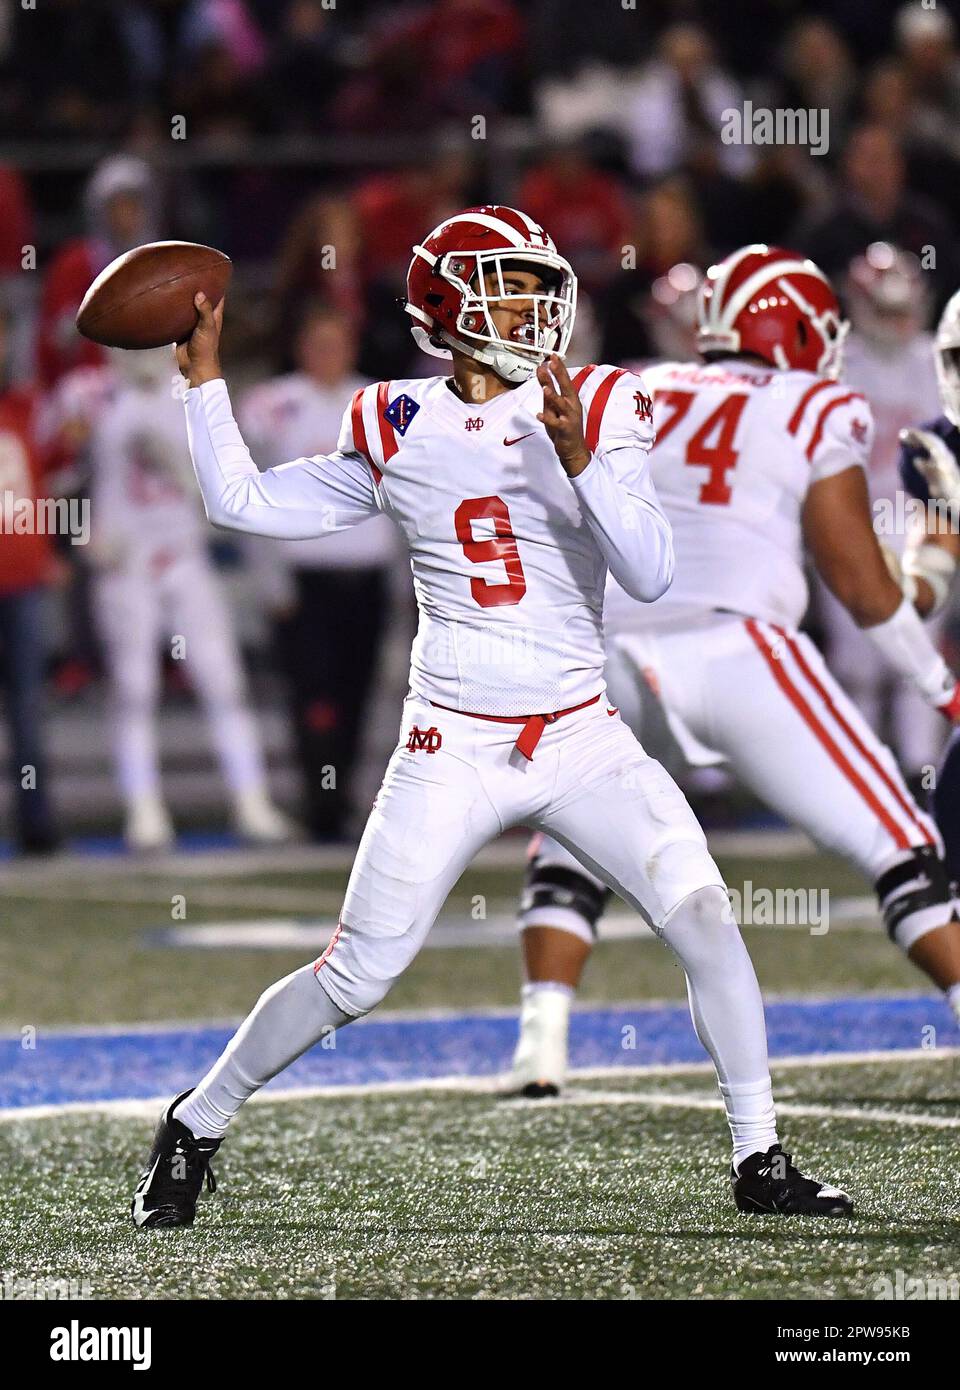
(138, 1065)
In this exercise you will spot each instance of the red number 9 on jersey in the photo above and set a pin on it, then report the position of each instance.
(502, 546)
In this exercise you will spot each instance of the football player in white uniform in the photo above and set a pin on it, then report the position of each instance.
(760, 455)
(153, 582)
(517, 489)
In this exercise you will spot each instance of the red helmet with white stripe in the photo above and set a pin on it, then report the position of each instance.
(775, 304)
(448, 297)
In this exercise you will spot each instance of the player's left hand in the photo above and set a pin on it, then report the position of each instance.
(562, 415)
(936, 462)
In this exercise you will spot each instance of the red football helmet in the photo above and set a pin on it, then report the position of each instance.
(447, 295)
(775, 304)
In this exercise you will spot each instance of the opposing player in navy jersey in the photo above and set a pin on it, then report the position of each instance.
(930, 473)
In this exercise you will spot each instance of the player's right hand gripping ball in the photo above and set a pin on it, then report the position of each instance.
(145, 298)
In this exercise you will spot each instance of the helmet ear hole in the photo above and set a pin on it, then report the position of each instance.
(802, 335)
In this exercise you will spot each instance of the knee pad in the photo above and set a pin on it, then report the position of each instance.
(915, 896)
(555, 896)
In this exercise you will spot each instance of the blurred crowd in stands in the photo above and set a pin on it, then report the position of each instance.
(316, 140)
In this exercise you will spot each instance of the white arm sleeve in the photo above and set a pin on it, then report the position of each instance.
(308, 498)
(906, 644)
(621, 507)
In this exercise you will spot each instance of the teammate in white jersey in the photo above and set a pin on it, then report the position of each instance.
(888, 357)
(154, 582)
(761, 454)
(517, 489)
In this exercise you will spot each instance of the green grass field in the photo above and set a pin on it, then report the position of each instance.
(617, 1191)
(445, 1195)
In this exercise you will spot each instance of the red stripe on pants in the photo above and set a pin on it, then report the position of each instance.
(853, 736)
(823, 737)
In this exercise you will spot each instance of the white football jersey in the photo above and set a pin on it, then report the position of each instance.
(509, 555)
(292, 416)
(737, 447)
(143, 494)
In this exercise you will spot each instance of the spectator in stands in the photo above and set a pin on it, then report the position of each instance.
(319, 262)
(817, 73)
(584, 209)
(679, 99)
(926, 42)
(667, 231)
(441, 59)
(393, 210)
(121, 210)
(227, 24)
(329, 598)
(395, 207)
(26, 568)
(873, 204)
(307, 65)
(932, 158)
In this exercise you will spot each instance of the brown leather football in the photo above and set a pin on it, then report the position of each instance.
(144, 299)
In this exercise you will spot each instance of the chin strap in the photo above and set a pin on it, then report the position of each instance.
(510, 365)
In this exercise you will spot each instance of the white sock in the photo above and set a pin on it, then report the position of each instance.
(953, 999)
(534, 987)
(752, 1118)
(727, 1013)
(541, 1051)
(288, 1018)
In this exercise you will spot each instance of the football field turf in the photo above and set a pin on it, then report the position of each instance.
(394, 1168)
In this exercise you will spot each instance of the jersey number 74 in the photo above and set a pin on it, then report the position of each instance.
(711, 445)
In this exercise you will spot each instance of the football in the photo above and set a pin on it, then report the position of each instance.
(144, 299)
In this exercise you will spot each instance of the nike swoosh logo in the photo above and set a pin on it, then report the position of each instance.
(508, 442)
(142, 1186)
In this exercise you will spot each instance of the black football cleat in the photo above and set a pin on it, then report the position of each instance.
(170, 1184)
(539, 1090)
(767, 1184)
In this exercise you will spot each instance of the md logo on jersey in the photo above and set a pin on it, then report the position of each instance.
(424, 740)
(400, 412)
(858, 429)
(644, 405)
(474, 422)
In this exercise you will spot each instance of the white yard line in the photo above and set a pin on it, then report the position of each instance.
(492, 1085)
(680, 1101)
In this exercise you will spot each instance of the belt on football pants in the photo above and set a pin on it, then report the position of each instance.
(533, 724)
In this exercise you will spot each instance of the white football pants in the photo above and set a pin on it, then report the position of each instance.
(138, 606)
